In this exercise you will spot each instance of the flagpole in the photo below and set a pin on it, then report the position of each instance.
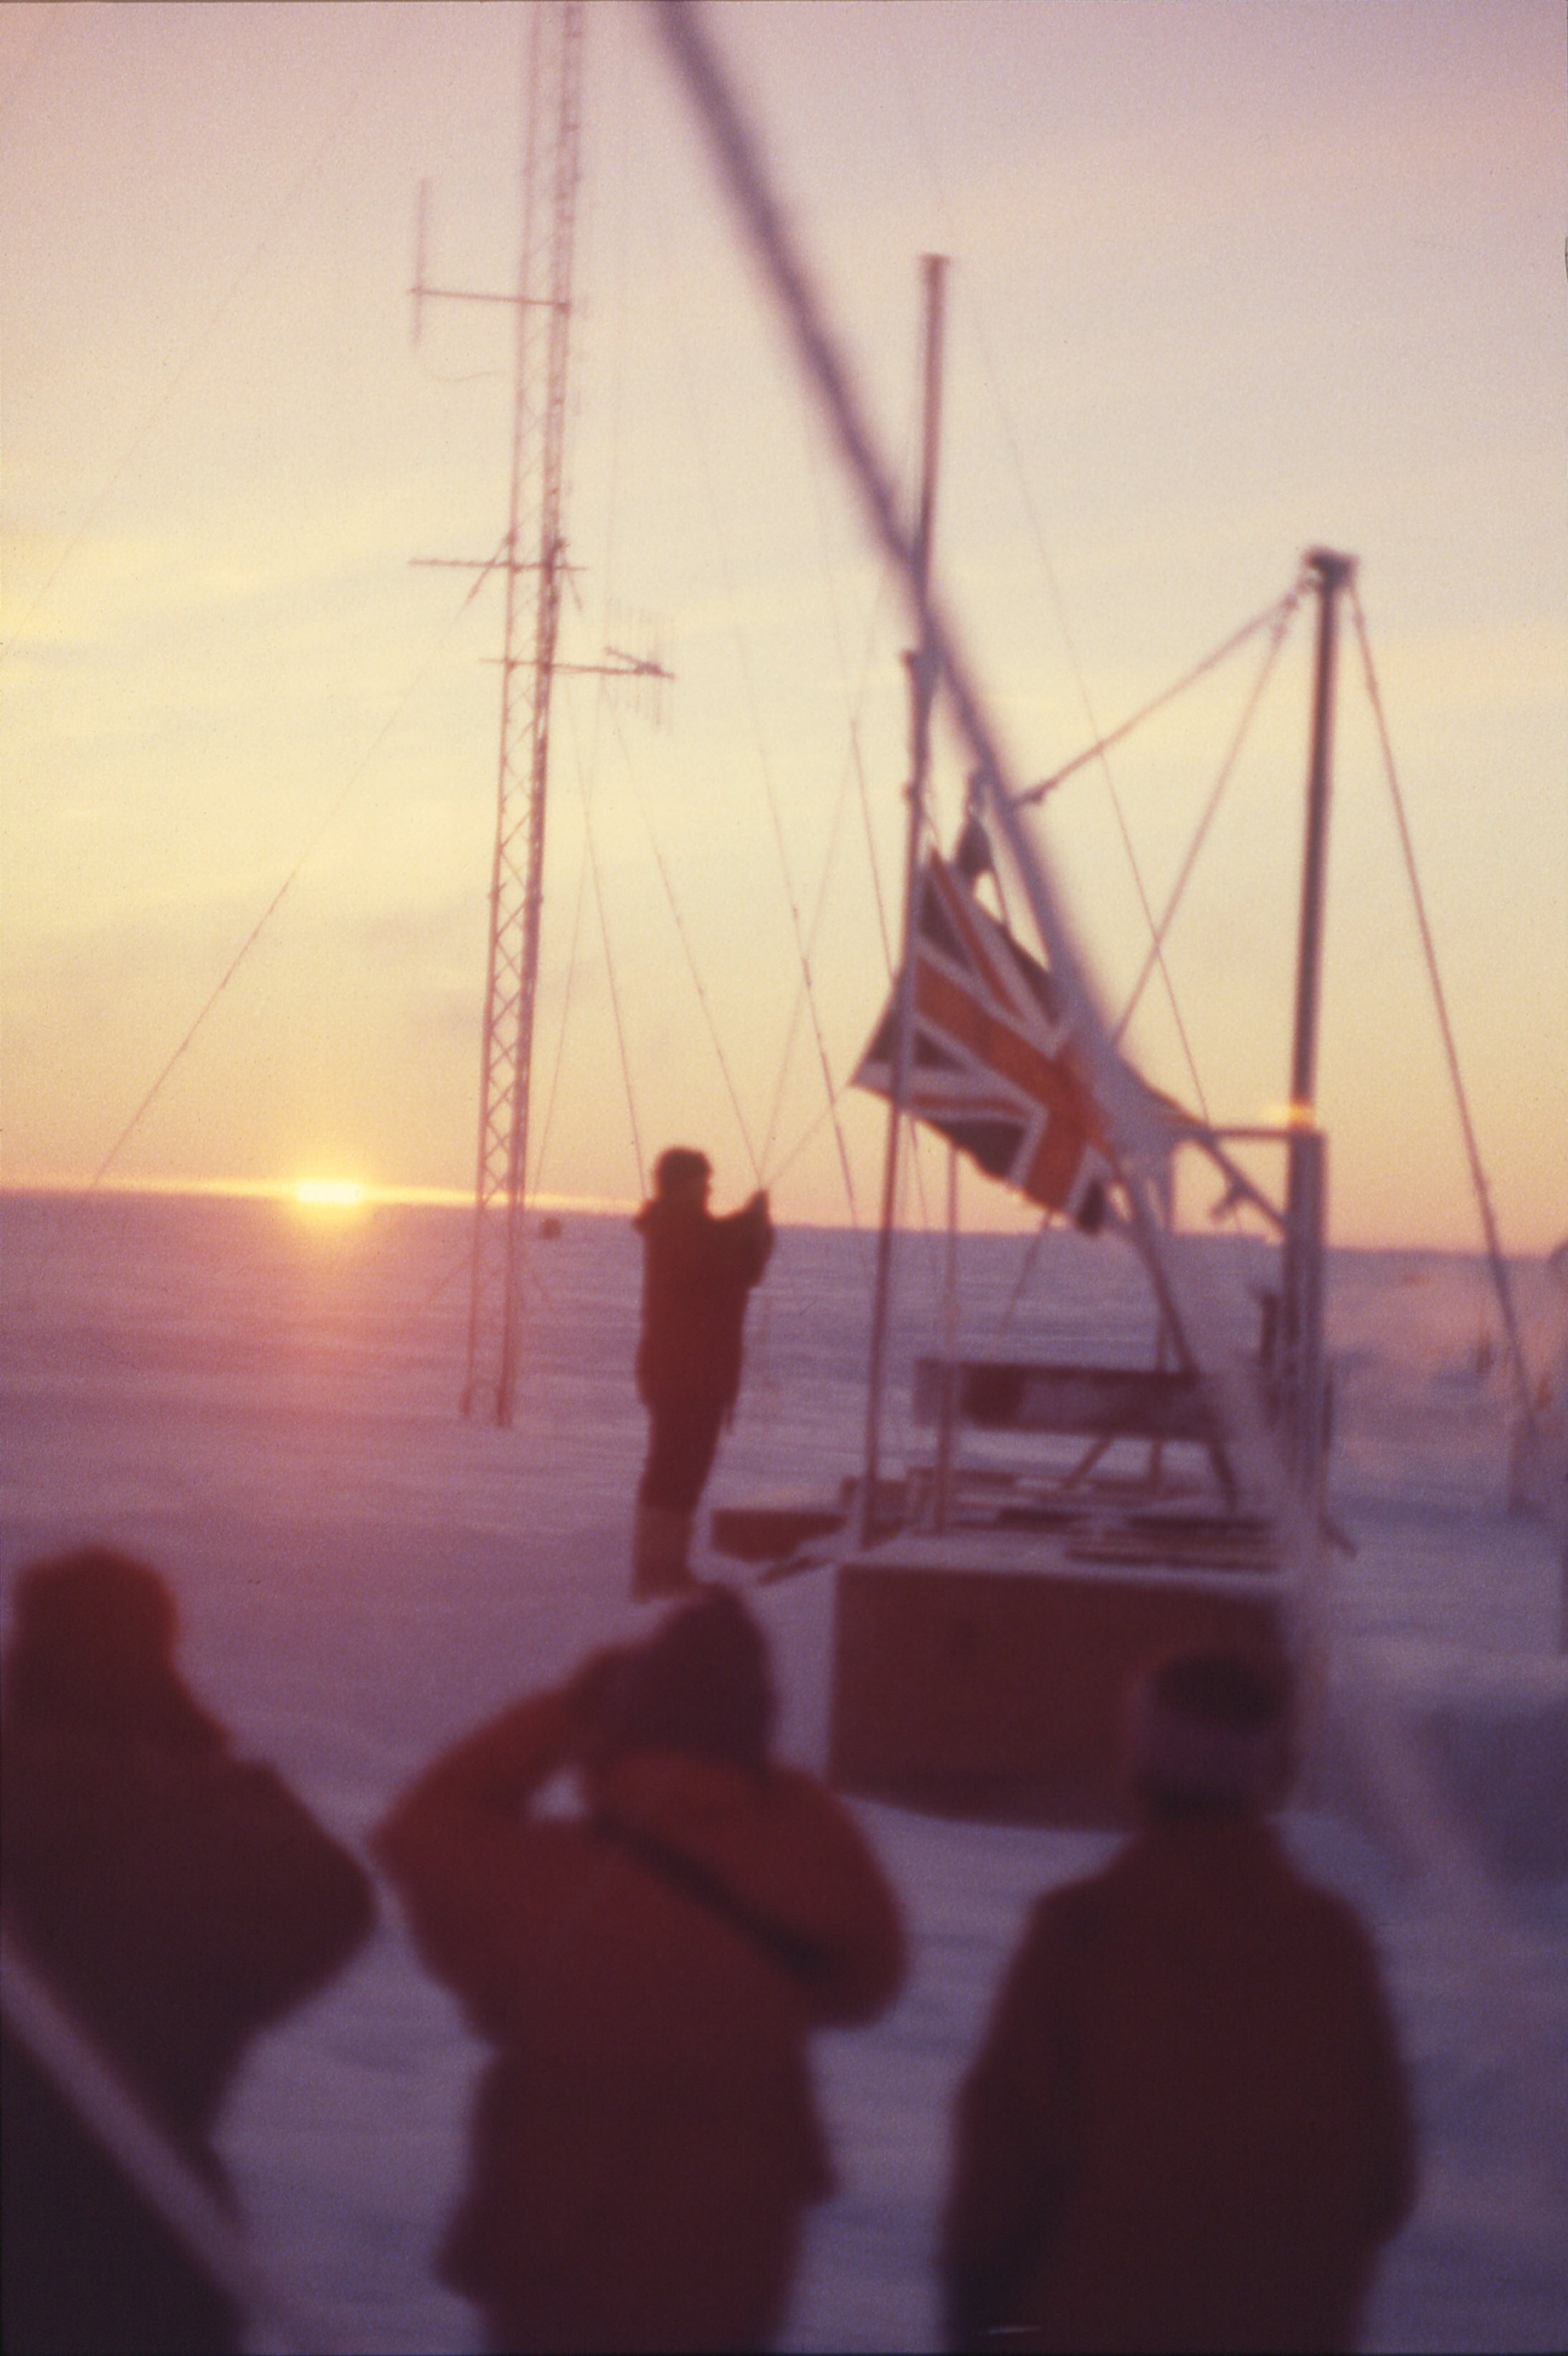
(923, 667)
(1307, 1182)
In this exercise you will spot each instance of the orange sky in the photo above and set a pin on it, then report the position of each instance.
(1228, 280)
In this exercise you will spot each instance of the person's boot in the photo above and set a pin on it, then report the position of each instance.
(661, 1537)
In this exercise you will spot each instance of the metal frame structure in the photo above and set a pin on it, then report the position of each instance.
(543, 311)
(1297, 1370)
(533, 549)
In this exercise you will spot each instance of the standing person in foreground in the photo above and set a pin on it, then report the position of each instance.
(176, 1900)
(646, 2140)
(697, 1272)
(1188, 2127)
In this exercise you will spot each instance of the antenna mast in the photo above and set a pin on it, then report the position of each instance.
(533, 546)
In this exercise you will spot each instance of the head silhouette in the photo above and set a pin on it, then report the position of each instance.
(681, 1173)
(91, 1649)
(700, 1685)
(1208, 1734)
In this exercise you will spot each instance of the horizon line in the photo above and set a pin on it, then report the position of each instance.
(290, 1191)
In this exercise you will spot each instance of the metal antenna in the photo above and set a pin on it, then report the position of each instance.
(534, 545)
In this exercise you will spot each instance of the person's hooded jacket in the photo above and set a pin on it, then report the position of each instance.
(647, 2137)
(1187, 2128)
(176, 1898)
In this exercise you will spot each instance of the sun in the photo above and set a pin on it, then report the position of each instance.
(329, 1194)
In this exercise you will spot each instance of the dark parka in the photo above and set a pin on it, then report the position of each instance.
(1187, 2127)
(697, 1273)
(647, 2138)
(177, 1900)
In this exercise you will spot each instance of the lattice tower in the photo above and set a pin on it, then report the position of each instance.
(534, 559)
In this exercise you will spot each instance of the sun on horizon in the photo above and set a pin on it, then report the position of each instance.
(329, 1194)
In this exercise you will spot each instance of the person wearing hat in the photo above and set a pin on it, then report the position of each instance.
(174, 1900)
(647, 1974)
(698, 1272)
(1188, 2125)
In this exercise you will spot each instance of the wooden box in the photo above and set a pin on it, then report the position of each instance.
(992, 1688)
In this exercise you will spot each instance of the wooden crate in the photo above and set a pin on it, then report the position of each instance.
(978, 1689)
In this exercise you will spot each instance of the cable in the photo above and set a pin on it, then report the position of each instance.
(692, 966)
(1280, 615)
(853, 772)
(253, 936)
(605, 705)
(1472, 1149)
(1284, 607)
(765, 767)
(341, 117)
(1053, 584)
(1283, 613)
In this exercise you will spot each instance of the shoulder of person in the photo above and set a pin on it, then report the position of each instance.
(1075, 1916)
(1331, 1920)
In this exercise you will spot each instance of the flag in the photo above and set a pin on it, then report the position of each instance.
(990, 1063)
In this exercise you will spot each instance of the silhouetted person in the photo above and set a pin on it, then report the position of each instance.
(176, 1900)
(1187, 2128)
(646, 2140)
(697, 1272)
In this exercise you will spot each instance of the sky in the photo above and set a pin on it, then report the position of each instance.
(1229, 279)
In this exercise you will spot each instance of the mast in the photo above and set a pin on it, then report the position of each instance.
(1305, 1217)
(922, 667)
(542, 305)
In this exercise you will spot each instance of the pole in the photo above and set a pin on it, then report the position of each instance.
(922, 666)
(941, 1500)
(534, 545)
(1142, 1133)
(1305, 1224)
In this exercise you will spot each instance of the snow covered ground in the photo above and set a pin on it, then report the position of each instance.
(262, 1405)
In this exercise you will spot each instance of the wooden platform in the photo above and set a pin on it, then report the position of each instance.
(983, 1674)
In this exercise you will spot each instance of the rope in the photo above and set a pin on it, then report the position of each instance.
(687, 951)
(733, 151)
(1281, 613)
(606, 703)
(141, 2151)
(800, 1146)
(765, 767)
(799, 1000)
(341, 117)
(1284, 607)
(853, 772)
(1467, 1127)
(253, 936)
(1053, 584)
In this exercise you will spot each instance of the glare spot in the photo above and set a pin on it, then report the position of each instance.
(329, 1194)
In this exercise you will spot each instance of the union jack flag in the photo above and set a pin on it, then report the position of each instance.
(991, 1065)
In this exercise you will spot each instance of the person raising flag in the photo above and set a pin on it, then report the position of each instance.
(697, 1276)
